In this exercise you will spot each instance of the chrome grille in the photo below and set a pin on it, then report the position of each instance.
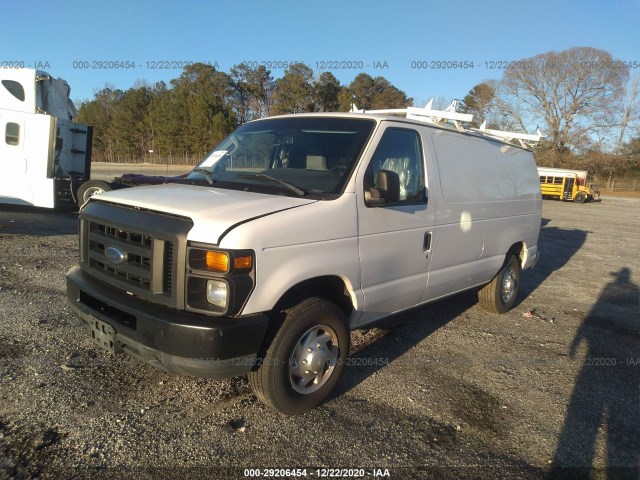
(135, 269)
(169, 262)
(139, 251)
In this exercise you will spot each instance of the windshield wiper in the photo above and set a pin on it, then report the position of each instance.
(297, 190)
(206, 174)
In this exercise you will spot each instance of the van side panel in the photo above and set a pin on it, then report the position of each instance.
(485, 177)
(488, 199)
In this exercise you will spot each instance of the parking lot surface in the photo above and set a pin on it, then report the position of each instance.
(447, 390)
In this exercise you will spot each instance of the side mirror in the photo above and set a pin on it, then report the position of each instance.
(387, 190)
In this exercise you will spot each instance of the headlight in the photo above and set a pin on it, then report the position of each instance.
(218, 281)
(217, 293)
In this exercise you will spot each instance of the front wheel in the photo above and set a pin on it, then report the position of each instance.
(305, 359)
(580, 198)
(89, 189)
(499, 295)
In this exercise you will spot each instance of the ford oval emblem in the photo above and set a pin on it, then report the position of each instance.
(115, 255)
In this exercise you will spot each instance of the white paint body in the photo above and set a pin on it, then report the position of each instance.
(483, 198)
(29, 161)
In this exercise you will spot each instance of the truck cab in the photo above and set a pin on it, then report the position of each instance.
(45, 156)
(295, 230)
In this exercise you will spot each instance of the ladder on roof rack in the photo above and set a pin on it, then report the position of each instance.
(524, 139)
(428, 115)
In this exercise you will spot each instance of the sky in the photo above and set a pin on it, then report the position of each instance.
(419, 46)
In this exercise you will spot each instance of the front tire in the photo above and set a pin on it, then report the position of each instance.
(305, 359)
(499, 295)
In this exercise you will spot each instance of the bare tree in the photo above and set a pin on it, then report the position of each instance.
(440, 102)
(630, 113)
(571, 94)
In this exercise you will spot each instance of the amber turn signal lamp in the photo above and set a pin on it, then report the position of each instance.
(243, 263)
(217, 261)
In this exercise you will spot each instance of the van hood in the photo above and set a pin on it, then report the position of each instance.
(214, 211)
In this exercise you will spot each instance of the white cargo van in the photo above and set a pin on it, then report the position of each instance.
(296, 229)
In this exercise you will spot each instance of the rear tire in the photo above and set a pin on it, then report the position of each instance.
(499, 295)
(89, 189)
(305, 359)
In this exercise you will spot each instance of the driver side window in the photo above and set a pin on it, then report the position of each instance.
(400, 151)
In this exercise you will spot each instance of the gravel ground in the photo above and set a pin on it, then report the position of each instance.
(458, 392)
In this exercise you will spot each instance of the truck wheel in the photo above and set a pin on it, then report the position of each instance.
(580, 198)
(499, 295)
(305, 359)
(90, 188)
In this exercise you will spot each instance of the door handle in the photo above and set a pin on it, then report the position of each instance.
(426, 246)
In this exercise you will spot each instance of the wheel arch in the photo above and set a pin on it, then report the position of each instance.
(516, 249)
(330, 287)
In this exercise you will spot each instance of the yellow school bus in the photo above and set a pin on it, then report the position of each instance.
(567, 185)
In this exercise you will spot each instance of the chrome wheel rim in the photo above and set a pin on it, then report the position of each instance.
(90, 192)
(313, 359)
(509, 285)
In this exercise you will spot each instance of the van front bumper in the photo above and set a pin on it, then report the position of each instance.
(173, 340)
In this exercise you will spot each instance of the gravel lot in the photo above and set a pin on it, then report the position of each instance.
(459, 393)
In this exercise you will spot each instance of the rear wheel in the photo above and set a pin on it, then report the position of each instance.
(89, 189)
(499, 295)
(305, 359)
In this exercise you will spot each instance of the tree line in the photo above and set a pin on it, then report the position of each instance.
(182, 121)
(585, 102)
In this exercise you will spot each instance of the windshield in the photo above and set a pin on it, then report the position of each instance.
(297, 156)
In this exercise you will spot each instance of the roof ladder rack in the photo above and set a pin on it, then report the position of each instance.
(441, 117)
(524, 139)
(426, 114)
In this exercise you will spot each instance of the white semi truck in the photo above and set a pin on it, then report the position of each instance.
(45, 157)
